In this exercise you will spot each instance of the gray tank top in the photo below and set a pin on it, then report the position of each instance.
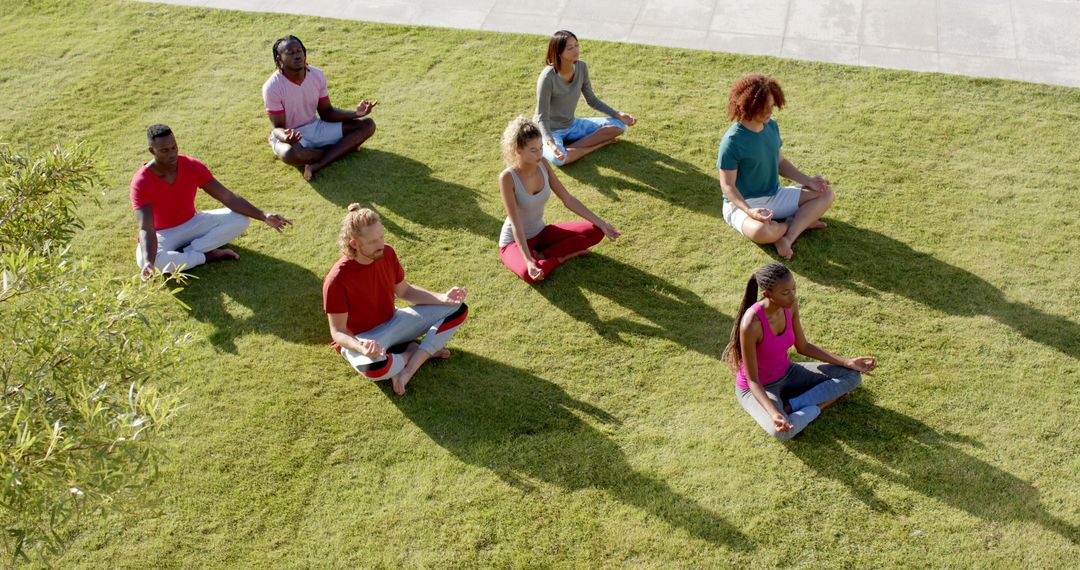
(530, 209)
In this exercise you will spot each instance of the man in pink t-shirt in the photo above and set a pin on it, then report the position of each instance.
(308, 130)
(172, 235)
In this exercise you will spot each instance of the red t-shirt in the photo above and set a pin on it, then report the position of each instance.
(173, 204)
(365, 292)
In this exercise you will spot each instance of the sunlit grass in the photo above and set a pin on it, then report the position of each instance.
(588, 421)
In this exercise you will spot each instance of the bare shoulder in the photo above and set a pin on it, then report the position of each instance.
(506, 183)
(750, 324)
(506, 178)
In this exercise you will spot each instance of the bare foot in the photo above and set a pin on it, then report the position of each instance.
(817, 225)
(399, 388)
(783, 247)
(401, 380)
(573, 255)
(309, 172)
(220, 254)
(442, 354)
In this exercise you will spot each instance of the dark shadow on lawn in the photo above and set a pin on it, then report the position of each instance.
(677, 314)
(387, 181)
(651, 172)
(525, 429)
(910, 453)
(285, 299)
(870, 263)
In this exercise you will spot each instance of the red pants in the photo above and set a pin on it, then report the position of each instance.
(553, 242)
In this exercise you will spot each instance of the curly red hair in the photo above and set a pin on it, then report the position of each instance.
(750, 95)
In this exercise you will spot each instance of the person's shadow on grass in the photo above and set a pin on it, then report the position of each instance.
(283, 299)
(676, 314)
(873, 442)
(870, 263)
(529, 431)
(649, 172)
(386, 181)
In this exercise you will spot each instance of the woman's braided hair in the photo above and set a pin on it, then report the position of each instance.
(761, 280)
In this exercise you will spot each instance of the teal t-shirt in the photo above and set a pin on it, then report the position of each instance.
(756, 156)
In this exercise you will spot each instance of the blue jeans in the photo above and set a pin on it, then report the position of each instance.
(581, 128)
(805, 386)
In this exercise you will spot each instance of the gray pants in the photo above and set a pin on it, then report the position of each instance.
(805, 386)
(437, 323)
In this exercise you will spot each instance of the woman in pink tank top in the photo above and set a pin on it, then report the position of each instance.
(781, 396)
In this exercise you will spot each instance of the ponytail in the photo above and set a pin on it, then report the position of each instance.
(733, 351)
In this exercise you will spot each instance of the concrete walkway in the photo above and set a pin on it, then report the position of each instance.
(1030, 40)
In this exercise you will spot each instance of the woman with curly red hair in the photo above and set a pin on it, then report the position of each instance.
(751, 163)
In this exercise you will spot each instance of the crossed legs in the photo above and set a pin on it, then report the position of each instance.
(353, 134)
(807, 388)
(583, 146)
(782, 235)
(552, 246)
(437, 323)
(197, 240)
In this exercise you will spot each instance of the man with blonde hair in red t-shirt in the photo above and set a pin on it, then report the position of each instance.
(358, 298)
(172, 235)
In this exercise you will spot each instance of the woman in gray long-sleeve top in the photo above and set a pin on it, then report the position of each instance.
(561, 84)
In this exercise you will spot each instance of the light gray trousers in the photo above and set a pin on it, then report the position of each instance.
(437, 323)
(186, 245)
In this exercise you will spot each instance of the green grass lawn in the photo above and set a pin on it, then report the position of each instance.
(587, 421)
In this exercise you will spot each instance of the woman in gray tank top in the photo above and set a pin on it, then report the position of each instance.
(560, 85)
(527, 246)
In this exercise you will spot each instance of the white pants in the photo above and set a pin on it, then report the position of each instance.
(184, 246)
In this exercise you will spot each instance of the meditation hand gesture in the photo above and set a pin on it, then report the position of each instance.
(277, 222)
(610, 231)
(292, 136)
(365, 107)
(371, 349)
(862, 363)
(760, 214)
(780, 422)
(535, 273)
(147, 270)
(559, 154)
(455, 296)
(818, 184)
(628, 119)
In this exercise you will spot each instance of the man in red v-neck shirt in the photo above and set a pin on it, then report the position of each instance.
(172, 235)
(308, 130)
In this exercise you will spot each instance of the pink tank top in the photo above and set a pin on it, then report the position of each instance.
(772, 351)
